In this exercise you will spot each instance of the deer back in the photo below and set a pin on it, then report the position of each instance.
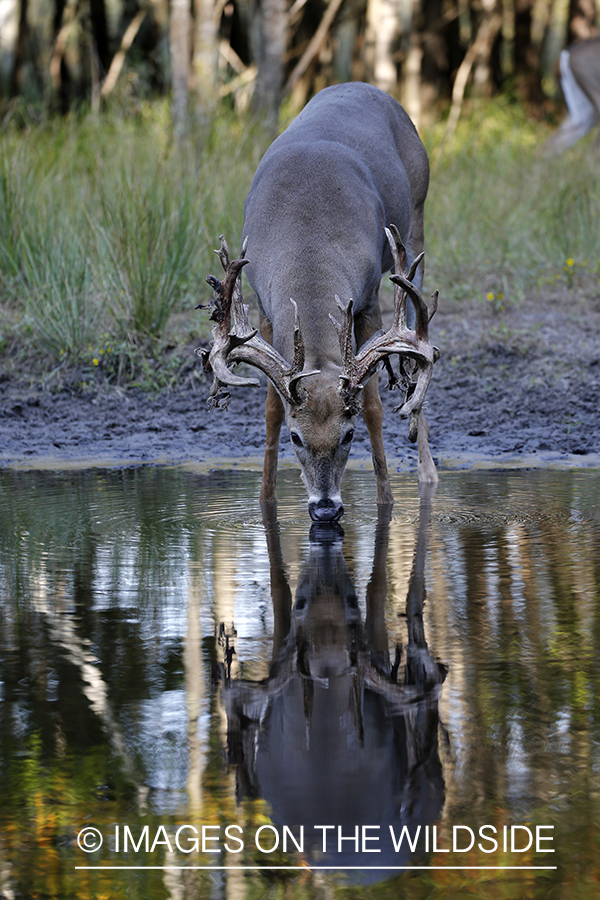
(324, 192)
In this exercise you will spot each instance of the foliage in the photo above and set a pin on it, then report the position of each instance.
(146, 248)
(502, 216)
(107, 229)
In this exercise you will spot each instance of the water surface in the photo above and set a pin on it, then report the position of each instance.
(169, 660)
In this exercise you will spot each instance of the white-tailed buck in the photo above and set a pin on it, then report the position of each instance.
(315, 230)
(580, 82)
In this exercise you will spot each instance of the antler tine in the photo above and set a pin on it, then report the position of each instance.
(239, 312)
(347, 389)
(399, 339)
(296, 373)
(345, 331)
(223, 252)
(415, 402)
(397, 247)
(399, 256)
(415, 265)
(298, 363)
(432, 308)
(231, 323)
(235, 340)
(421, 312)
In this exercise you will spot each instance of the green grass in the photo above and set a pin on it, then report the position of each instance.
(502, 217)
(107, 228)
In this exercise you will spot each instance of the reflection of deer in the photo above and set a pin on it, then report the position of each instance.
(337, 735)
(580, 82)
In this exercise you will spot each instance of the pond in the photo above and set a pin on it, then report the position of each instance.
(196, 702)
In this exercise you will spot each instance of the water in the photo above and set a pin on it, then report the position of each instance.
(174, 670)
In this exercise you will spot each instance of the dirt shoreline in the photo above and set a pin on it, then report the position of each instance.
(519, 388)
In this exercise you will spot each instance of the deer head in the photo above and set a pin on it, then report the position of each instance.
(321, 405)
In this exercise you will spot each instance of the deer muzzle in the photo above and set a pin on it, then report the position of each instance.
(326, 510)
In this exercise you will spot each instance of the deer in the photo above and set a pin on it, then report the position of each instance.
(580, 83)
(335, 202)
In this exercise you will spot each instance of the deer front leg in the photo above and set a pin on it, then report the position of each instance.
(365, 325)
(426, 466)
(372, 411)
(274, 416)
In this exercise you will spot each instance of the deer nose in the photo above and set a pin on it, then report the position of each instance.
(325, 510)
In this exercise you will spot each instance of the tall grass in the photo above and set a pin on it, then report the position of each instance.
(501, 213)
(147, 245)
(106, 227)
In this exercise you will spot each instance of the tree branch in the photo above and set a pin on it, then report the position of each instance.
(314, 46)
(118, 59)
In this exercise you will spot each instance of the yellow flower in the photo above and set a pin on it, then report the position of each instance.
(96, 361)
(490, 295)
(570, 263)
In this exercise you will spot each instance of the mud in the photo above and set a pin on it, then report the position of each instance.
(519, 387)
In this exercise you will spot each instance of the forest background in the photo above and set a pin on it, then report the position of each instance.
(61, 53)
(131, 131)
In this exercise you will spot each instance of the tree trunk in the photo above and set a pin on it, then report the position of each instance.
(118, 59)
(489, 36)
(412, 93)
(582, 20)
(100, 34)
(16, 78)
(206, 50)
(525, 55)
(269, 40)
(345, 31)
(180, 64)
(60, 77)
(435, 66)
(387, 22)
(479, 50)
(314, 45)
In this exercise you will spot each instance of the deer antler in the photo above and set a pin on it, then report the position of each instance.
(235, 340)
(399, 339)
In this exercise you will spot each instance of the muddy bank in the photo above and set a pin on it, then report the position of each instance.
(517, 387)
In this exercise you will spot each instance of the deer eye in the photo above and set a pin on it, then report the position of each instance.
(296, 439)
(348, 437)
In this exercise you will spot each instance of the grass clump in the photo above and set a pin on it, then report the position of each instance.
(106, 227)
(502, 217)
(147, 247)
